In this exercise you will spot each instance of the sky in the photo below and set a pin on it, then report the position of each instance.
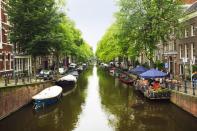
(92, 17)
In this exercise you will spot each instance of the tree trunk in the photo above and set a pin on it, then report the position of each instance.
(57, 63)
(34, 65)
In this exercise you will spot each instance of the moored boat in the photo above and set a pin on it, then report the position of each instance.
(74, 73)
(152, 88)
(66, 80)
(126, 79)
(46, 97)
(162, 93)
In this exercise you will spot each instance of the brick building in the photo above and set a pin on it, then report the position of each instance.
(179, 53)
(6, 55)
(187, 43)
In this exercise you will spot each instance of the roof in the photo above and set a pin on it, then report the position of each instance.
(188, 1)
(192, 8)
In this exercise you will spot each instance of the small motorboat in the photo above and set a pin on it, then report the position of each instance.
(66, 80)
(80, 69)
(46, 97)
(74, 73)
(126, 79)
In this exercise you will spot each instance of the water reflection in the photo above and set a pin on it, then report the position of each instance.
(101, 103)
(130, 111)
(93, 118)
(62, 116)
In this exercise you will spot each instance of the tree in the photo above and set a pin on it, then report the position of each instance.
(108, 47)
(31, 24)
(147, 22)
(40, 28)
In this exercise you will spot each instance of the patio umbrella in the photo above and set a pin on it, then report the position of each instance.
(138, 70)
(153, 73)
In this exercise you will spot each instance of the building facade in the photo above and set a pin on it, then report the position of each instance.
(6, 55)
(187, 43)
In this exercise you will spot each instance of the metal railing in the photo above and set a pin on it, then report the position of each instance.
(186, 87)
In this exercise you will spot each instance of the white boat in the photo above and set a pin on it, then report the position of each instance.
(66, 80)
(46, 97)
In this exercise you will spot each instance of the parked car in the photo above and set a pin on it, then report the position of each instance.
(45, 74)
(62, 71)
(72, 65)
(84, 65)
(80, 69)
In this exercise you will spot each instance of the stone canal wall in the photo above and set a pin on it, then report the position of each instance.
(185, 101)
(13, 98)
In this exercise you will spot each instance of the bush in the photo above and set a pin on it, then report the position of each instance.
(194, 68)
(158, 64)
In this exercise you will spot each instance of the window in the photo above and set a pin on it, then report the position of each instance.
(181, 51)
(192, 50)
(192, 30)
(186, 33)
(9, 57)
(185, 50)
(174, 45)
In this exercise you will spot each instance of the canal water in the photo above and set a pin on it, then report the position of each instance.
(101, 103)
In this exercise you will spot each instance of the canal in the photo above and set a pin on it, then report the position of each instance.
(101, 103)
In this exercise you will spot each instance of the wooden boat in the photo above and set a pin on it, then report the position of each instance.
(66, 80)
(47, 97)
(126, 79)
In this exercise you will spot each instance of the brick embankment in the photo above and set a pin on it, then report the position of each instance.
(185, 101)
(13, 98)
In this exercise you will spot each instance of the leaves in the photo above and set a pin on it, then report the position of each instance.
(139, 27)
(39, 29)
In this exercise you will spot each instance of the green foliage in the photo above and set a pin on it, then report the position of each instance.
(159, 65)
(146, 23)
(85, 52)
(108, 48)
(38, 28)
(139, 27)
(31, 24)
(194, 68)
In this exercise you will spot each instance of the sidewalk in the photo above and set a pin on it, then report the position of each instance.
(20, 82)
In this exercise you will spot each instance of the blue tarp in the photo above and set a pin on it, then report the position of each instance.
(138, 70)
(153, 73)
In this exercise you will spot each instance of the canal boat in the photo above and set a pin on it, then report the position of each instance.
(80, 69)
(160, 94)
(124, 78)
(47, 97)
(66, 80)
(112, 71)
(154, 90)
(74, 73)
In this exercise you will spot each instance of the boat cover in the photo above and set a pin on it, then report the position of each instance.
(68, 78)
(47, 93)
(74, 73)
